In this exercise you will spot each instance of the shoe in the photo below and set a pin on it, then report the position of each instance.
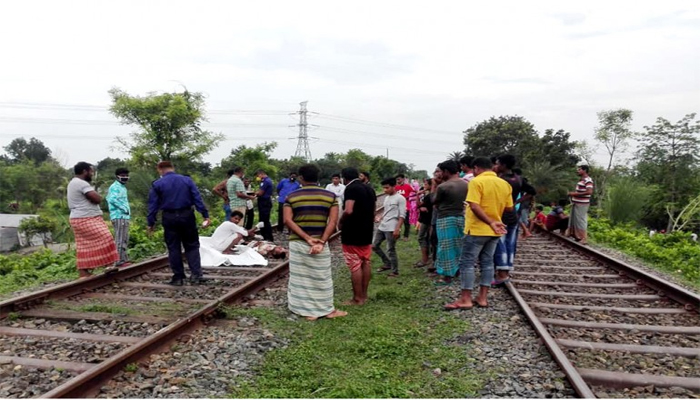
(196, 280)
(176, 282)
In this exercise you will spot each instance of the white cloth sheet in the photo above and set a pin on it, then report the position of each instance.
(211, 257)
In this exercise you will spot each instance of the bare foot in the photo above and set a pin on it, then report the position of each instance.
(337, 314)
(311, 318)
(353, 302)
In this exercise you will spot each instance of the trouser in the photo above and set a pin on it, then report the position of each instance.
(406, 224)
(180, 230)
(433, 241)
(227, 212)
(264, 210)
(505, 249)
(482, 247)
(121, 239)
(280, 217)
(391, 260)
(423, 239)
(249, 218)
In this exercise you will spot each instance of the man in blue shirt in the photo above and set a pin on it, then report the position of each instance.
(285, 187)
(265, 204)
(175, 195)
(120, 214)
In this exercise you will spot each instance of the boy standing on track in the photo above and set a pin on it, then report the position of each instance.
(94, 244)
(120, 214)
(356, 230)
(390, 227)
(488, 198)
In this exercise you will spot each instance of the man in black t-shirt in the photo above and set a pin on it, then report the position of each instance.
(425, 217)
(357, 231)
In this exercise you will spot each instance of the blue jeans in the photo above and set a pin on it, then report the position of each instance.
(473, 247)
(227, 211)
(505, 251)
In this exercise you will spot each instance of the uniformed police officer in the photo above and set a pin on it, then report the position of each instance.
(175, 195)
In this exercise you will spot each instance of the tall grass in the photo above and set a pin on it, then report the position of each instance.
(626, 201)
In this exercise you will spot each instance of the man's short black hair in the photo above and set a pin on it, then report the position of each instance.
(238, 169)
(230, 172)
(335, 176)
(483, 163)
(518, 171)
(467, 160)
(449, 166)
(493, 159)
(540, 207)
(350, 173)
(391, 181)
(236, 213)
(309, 173)
(402, 176)
(81, 167)
(121, 171)
(507, 160)
(260, 171)
(293, 173)
(584, 167)
(366, 174)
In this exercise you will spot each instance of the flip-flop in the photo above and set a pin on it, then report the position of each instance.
(455, 307)
(499, 282)
(382, 269)
(480, 306)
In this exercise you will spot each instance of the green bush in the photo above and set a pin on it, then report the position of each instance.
(673, 252)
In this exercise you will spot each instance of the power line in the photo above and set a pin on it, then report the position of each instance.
(343, 130)
(115, 123)
(382, 124)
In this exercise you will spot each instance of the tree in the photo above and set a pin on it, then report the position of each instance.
(169, 126)
(668, 157)
(558, 148)
(550, 181)
(34, 150)
(503, 135)
(252, 159)
(455, 156)
(614, 133)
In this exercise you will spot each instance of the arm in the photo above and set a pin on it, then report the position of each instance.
(347, 212)
(289, 221)
(93, 196)
(497, 226)
(402, 206)
(152, 207)
(279, 186)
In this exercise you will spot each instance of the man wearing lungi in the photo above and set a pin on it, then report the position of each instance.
(175, 195)
(94, 243)
(311, 214)
(581, 200)
(120, 214)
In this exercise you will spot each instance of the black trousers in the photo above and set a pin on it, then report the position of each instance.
(406, 224)
(280, 217)
(249, 218)
(180, 230)
(264, 211)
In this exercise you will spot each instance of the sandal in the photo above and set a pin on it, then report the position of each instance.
(420, 264)
(384, 268)
(456, 307)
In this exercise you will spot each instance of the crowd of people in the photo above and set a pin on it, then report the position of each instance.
(469, 210)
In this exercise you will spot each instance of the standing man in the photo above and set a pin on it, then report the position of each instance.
(465, 164)
(120, 214)
(390, 227)
(284, 188)
(311, 214)
(581, 200)
(338, 189)
(264, 195)
(405, 190)
(237, 193)
(94, 244)
(220, 190)
(356, 231)
(449, 201)
(488, 198)
(505, 250)
(175, 195)
(249, 205)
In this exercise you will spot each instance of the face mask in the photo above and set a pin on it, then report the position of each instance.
(123, 179)
(292, 179)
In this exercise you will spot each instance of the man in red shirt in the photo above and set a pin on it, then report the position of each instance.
(405, 190)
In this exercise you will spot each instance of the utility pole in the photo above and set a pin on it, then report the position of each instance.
(303, 150)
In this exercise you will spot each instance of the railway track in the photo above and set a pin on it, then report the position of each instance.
(91, 329)
(608, 325)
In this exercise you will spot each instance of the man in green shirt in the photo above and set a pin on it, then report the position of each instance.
(237, 192)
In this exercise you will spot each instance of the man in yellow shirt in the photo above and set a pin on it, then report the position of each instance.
(488, 197)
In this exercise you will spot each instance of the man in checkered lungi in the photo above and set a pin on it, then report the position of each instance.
(94, 243)
(120, 214)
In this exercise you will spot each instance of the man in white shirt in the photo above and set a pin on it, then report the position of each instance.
(338, 189)
(229, 233)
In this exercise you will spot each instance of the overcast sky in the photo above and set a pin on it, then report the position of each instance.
(440, 67)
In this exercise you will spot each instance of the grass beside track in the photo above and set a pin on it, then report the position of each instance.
(391, 347)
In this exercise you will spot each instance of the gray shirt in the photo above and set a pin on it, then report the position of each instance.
(450, 198)
(394, 207)
(79, 205)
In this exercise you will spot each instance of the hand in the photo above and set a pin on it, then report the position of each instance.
(206, 222)
(149, 230)
(397, 233)
(499, 227)
(423, 209)
(316, 249)
(377, 219)
(313, 241)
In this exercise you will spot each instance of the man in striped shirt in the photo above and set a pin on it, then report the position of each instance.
(581, 200)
